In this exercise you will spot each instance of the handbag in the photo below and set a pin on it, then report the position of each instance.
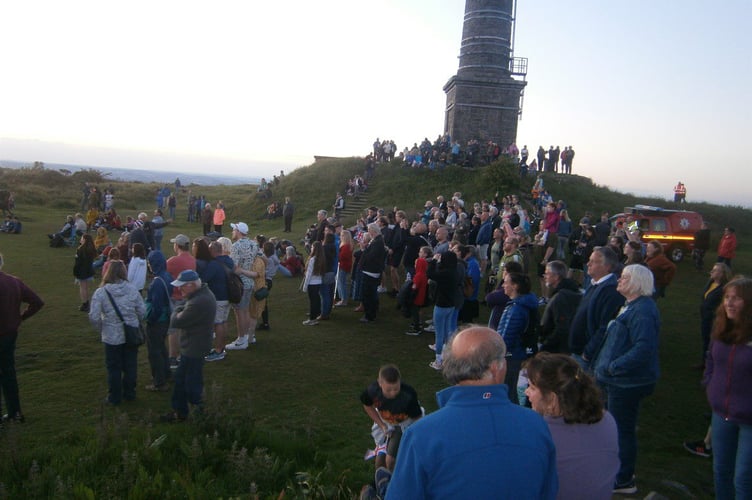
(134, 335)
(261, 293)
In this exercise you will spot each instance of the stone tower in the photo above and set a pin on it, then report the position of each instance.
(483, 98)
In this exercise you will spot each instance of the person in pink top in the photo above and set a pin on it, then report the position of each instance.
(219, 217)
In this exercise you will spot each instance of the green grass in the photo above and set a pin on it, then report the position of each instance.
(283, 415)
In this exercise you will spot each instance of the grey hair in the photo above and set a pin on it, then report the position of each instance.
(226, 244)
(610, 259)
(374, 227)
(322, 212)
(474, 364)
(640, 280)
(557, 268)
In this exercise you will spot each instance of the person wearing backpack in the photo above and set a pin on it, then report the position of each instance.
(513, 326)
(158, 321)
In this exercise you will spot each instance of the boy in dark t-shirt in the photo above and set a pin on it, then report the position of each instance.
(393, 406)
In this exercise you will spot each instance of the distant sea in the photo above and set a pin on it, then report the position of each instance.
(132, 174)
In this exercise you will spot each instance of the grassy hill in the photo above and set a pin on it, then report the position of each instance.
(284, 416)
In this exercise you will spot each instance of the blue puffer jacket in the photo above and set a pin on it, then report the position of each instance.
(514, 322)
(629, 356)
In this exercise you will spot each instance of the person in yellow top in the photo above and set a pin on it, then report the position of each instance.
(711, 299)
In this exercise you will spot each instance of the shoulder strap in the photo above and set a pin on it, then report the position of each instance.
(112, 301)
(167, 292)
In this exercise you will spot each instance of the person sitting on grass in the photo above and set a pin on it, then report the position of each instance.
(393, 406)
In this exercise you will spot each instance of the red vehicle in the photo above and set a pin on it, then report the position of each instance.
(674, 229)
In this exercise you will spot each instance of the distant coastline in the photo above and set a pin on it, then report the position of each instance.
(147, 176)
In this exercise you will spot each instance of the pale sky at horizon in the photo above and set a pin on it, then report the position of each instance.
(647, 92)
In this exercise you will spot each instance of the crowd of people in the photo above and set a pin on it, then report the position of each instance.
(444, 151)
(598, 313)
(578, 347)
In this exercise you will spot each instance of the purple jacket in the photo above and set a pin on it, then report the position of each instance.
(728, 378)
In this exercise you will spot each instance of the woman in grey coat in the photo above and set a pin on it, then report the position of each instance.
(120, 359)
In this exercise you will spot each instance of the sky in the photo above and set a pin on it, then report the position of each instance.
(647, 92)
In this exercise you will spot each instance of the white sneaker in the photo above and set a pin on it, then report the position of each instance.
(310, 322)
(381, 289)
(253, 340)
(240, 344)
(430, 329)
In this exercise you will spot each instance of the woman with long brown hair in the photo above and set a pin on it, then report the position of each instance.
(314, 275)
(728, 377)
(83, 269)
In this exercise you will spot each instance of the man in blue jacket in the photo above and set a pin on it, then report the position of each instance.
(598, 306)
(478, 444)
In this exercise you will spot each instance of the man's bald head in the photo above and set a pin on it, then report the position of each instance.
(475, 356)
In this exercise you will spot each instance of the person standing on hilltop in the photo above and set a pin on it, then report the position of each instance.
(288, 210)
(207, 217)
(541, 158)
(680, 193)
(219, 217)
(172, 203)
(570, 157)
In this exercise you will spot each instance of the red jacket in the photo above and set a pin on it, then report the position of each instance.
(727, 246)
(420, 281)
(663, 270)
(345, 258)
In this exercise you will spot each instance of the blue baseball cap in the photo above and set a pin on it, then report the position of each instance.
(186, 276)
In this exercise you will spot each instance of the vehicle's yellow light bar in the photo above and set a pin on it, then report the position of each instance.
(667, 237)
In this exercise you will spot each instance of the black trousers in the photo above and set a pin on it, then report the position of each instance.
(370, 296)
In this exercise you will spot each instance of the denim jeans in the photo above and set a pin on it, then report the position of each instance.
(8, 380)
(561, 246)
(326, 292)
(453, 321)
(122, 364)
(442, 322)
(624, 405)
(342, 290)
(732, 459)
(189, 385)
(156, 344)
